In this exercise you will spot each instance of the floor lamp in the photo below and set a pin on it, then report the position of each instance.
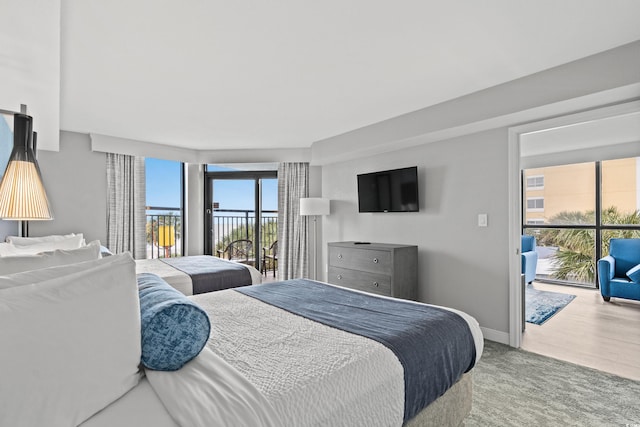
(314, 206)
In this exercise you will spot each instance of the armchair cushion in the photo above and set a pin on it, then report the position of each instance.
(634, 273)
(528, 243)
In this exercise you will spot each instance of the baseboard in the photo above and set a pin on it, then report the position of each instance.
(493, 335)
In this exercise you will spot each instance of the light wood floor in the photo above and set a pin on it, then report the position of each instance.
(590, 332)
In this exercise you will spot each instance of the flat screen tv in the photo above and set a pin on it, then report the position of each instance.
(389, 191)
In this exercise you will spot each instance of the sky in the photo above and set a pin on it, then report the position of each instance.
(163, 183)
(6, 141)
(163, 188)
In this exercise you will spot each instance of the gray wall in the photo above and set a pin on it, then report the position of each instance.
(462, 150)
(460, 264)
(76, 182)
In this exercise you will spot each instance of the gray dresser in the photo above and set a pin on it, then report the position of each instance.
(380, 268)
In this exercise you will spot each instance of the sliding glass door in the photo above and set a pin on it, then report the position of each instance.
(240, 214)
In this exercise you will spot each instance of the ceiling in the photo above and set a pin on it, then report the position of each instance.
(286, 73)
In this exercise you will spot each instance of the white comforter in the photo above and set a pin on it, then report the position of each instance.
(209, 389)
(264, 366)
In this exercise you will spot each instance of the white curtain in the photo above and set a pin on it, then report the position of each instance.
(293, 184)
(126, 214)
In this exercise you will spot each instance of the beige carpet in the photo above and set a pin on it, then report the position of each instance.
(518, 388)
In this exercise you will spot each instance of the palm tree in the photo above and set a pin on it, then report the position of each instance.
(575, 258)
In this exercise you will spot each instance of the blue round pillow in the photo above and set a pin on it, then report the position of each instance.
(174, 329)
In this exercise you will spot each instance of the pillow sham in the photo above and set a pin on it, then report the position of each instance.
(16, 264)
(634, 273)
(174, 329)
(74, 242)
(70, 345)
(24, 241)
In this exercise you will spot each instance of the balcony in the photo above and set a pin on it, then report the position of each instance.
(164, 230)
(235, 224)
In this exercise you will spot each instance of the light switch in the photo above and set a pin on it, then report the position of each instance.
(482, 220)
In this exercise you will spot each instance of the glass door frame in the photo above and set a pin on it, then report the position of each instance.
(257, 177)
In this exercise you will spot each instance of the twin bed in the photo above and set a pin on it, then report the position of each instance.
(292, 353)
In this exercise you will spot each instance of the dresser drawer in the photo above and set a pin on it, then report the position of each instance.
(375, 261)
(361, 280)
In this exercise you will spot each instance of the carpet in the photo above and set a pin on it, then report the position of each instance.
(541, 305)
(521, 389)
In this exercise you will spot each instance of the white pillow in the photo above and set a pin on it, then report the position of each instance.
(70, 345)
(34, 276)
(73, 242)
(24, 241)
(16, 264)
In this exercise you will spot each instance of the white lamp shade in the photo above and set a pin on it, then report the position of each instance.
(22, 195)
(314, 206)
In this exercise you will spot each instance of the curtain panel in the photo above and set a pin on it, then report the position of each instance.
(126, 200)
(293, 184)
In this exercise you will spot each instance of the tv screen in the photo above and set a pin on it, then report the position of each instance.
(389, 191)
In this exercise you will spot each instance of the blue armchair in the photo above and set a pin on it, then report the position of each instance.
(619, 272)
(529, 258)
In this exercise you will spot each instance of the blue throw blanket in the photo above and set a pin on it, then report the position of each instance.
(209, 273)
(435, 346)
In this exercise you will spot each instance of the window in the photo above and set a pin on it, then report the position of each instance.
(585, 205)
(535, 203)
(164, 208)
(535, 221)
(620, 191)
(535, 182)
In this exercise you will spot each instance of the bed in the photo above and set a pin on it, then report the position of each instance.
(269, 354)
(216, 273)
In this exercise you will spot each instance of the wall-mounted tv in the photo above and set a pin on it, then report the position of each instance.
(389, 191)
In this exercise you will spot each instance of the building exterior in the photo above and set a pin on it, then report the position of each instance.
(572, 188)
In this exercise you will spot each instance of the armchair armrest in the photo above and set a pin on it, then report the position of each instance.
(606, 270)
(608, 265)
(529, 264)
(529, 258)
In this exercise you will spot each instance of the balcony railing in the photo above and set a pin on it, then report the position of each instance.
(164, 232)
(164, 229)
(234, 224)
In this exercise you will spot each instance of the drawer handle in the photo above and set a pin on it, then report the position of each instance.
(339, 277)
(376, 284)
(339, 256)
(375, 260)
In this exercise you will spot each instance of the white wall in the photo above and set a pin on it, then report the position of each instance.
(30, 64)
(76, 182)
(460, 264)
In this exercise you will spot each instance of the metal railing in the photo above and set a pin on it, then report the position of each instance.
(234, 224)
(164, 232)
(164, 229)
